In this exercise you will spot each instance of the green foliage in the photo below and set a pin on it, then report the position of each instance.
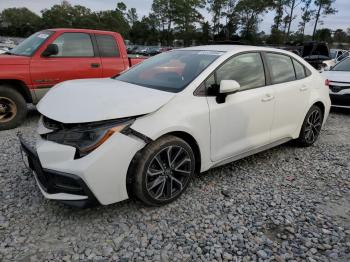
(183, 20)
(324, 35)
(19, 22)
(250, 16)
(324, 7)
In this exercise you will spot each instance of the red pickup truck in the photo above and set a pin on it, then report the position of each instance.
(52, 56)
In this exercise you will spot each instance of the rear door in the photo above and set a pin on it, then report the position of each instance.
(111, 58)
(76, 59)
(292, 92)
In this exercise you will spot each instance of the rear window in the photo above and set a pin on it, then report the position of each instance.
(299, 70)
(107, 46)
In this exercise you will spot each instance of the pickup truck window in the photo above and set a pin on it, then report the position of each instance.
(74, 45)
(171, 71)
(31, 44)
(107, 46)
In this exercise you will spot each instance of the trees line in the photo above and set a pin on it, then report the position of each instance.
(182, 19)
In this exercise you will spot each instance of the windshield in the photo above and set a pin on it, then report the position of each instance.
(171, 71)
(342, 66)
(31, 44)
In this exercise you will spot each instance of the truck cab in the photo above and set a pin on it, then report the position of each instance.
(51, 56)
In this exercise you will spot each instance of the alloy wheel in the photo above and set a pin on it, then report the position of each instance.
(313, 126)
(168, 173)
(8, 109)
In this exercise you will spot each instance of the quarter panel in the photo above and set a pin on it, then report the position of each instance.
(186, 113)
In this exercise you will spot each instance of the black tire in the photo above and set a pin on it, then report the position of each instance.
(13, 108)
(146, 182)
(311, 127)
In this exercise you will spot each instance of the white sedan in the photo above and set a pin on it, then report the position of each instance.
(147, 131)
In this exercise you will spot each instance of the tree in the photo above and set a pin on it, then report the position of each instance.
(164, 12)
(340, 36)
(324, 7)
(216, 8)
(306, 16)
(66, 15)
(291, 5)
(132, 16)
(249, 13)
(324, 35)
(20, 21)
(186, 14)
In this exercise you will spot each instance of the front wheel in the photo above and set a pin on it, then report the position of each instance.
(13, 108)
(311, 127)
(163, 171)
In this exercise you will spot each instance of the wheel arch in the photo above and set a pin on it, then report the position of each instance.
(318, 103)
(20, 87)
(188, 138)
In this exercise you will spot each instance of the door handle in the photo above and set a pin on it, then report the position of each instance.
(95, 65)
(268, 97)
(303, 88)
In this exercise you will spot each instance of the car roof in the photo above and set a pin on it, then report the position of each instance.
(233, 48)
(80, 30)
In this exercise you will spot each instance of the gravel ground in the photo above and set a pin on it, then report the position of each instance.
(284, 204)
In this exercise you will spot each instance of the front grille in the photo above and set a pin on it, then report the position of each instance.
(336, 89)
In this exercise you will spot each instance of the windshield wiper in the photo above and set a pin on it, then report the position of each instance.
(8, 53)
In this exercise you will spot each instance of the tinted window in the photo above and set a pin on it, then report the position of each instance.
(74, 45)
(246, 69)
(107, 46)
(281, 68)
(299, 69)
(171, 71)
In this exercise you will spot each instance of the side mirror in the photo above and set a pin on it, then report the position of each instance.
(51, 49)
(227, 87)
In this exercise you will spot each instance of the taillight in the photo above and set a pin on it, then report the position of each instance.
(327, 82)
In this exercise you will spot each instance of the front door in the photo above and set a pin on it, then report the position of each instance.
(76, 59)
(243, 121)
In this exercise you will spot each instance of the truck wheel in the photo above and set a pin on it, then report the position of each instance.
(13, 108)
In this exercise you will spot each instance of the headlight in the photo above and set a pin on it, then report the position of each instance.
(87, 137)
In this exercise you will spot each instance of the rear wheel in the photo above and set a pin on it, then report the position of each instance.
(311, 127)
(13, 108)
(163, 171)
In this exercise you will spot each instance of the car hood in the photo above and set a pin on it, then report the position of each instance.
(91, 100)
(337, 76)
(14, 60)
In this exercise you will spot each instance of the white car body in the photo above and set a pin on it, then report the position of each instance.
(339, 86)
(259, 119)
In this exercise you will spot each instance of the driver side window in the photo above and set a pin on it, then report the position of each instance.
(247, 69)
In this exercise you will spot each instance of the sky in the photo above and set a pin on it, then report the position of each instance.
(143, 7)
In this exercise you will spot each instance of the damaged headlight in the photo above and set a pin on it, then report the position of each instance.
(84, 137)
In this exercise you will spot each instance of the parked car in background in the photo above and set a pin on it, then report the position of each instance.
(176, 114)
(338, 79)
(51, 56)
(4, 50)
(315, 53)
(337, 56)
